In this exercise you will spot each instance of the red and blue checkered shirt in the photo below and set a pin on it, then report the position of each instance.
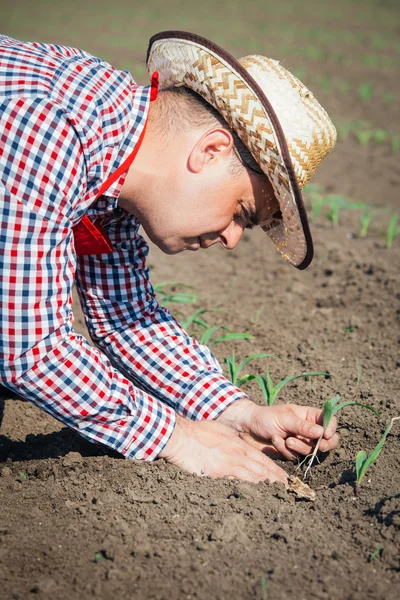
(67, 121)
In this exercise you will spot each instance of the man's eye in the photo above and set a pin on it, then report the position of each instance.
(243, 217)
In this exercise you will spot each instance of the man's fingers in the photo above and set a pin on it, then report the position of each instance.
(302, 427)
(280, 445)
(330, 430)
(256, 472)
(304, 446)
(330, 444)
(260, 445)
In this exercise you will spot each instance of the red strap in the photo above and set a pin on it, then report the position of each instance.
(90, 238)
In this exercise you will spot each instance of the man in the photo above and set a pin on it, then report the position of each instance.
(86, 157)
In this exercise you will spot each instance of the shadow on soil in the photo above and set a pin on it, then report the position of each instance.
(51, 445)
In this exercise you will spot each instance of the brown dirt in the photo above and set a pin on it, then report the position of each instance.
(78, 521)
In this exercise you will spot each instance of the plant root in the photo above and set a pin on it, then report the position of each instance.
(313, 456)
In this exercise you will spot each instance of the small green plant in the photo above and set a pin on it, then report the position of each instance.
(23, 475)
(363, 462)
(331, 407)
(366, 218)
(374, 554)
(380, 136)
(365, 91)
(393, 231)
(195, 318)
(395, 143)
(264, 587)
(234, 369)
(208, 334)
(172, 296)
(336, 204)
(364, 136)
(270, 391)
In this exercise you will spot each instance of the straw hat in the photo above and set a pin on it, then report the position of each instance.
(286, 130)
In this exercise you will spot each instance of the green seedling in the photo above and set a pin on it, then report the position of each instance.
(195, 318)
(270, 391)
(207, 336)
(363, 462)
(344, 87)
(374, 554)
(234, 370)
(331, 407)
(365, 91)
(23, 475)
(336, 204)
(392, 231)
(264, 587)
(366, 218)
(380, 136)
(364, 137)
(181, 297)
(395, 143)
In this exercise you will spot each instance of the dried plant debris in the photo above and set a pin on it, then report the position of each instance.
(301, 489)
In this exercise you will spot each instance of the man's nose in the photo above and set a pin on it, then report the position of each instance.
(230, 237)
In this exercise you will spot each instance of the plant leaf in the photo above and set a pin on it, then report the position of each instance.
(232, 336)
(361, 456)
(375, 452)
(275, 391)
(207, 335)
(245, 379)
(328, 411)
(253, 357)
(351, 403)
(262, 382)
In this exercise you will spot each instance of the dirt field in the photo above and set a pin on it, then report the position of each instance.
(78, 521)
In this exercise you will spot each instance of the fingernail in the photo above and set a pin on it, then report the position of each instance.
(291, 443)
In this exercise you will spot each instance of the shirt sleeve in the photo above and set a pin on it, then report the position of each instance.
(141, 337)
(42, 179)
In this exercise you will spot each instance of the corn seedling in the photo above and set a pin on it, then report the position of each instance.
(270, 391)
(376, 552)
(366, 218)
(331, 407)
(336, 204)
(365, 91)
(364, 137)
(380, 136)
(234, 369)
(196, 319)
(395, 143)
(207, 336)
(181, 297)
(264, 587)
(363, 462)
(392, 232)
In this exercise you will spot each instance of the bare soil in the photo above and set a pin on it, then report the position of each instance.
(79, 521)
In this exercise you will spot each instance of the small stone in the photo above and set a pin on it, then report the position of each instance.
(6, 471)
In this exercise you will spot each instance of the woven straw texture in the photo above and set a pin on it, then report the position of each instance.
(308, 131)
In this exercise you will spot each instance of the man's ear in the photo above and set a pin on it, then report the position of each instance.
(213, 146)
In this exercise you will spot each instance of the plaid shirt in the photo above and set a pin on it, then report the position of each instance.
(67, 121)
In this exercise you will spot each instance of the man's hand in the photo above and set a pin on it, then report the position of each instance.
(212, 448)
(291, 429)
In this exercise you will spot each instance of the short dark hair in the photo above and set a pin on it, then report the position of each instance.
(197, 112)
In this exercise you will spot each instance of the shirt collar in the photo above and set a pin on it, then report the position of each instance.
(140, 109)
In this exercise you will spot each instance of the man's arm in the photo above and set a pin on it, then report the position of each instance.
(142, 338)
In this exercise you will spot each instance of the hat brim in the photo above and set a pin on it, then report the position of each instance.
(303, 258)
